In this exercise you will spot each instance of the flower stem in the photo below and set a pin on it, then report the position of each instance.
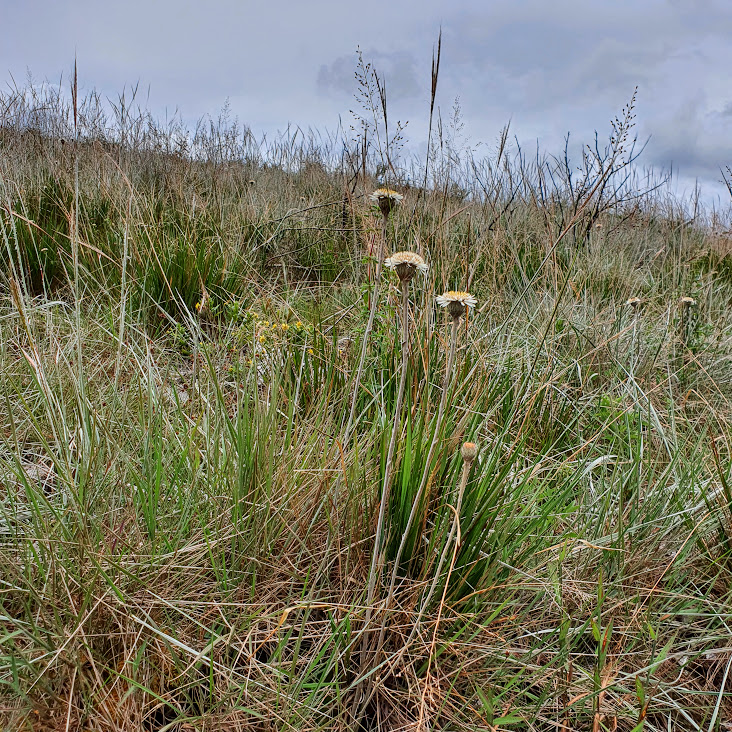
(367, 332)
(377, 557)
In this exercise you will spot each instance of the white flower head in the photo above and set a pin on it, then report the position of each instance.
(456, 302)
(464, 298)
(406, 264)
(387, 199)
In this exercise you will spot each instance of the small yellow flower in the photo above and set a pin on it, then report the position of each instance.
(311, 352)
(284, 326)
(262, 339)
(199, 305)
(298, 325)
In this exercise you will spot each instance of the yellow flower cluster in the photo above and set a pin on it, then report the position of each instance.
(267, 329)
(268, 332)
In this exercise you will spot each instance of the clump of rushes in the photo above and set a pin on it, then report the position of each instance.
(458, 304)
(406, 265)
(468, 452)
(387, 201)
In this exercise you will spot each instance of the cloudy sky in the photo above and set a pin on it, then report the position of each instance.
(547, 67)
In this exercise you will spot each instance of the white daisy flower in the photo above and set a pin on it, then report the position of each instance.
(387, 199)
(456, 302)
(406, 264)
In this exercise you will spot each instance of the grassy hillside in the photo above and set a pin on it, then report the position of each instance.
(233, 487)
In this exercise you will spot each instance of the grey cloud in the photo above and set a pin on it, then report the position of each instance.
(563, 68)
(691, 141)
(397, 69)
(337, 77)
(543, 64)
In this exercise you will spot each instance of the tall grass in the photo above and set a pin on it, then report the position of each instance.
(186, 539)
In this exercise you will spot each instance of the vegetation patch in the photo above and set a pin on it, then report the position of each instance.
(300, 436)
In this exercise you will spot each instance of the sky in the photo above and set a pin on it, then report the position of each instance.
(548, 68)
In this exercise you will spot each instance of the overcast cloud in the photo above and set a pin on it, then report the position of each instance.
(549, 68)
